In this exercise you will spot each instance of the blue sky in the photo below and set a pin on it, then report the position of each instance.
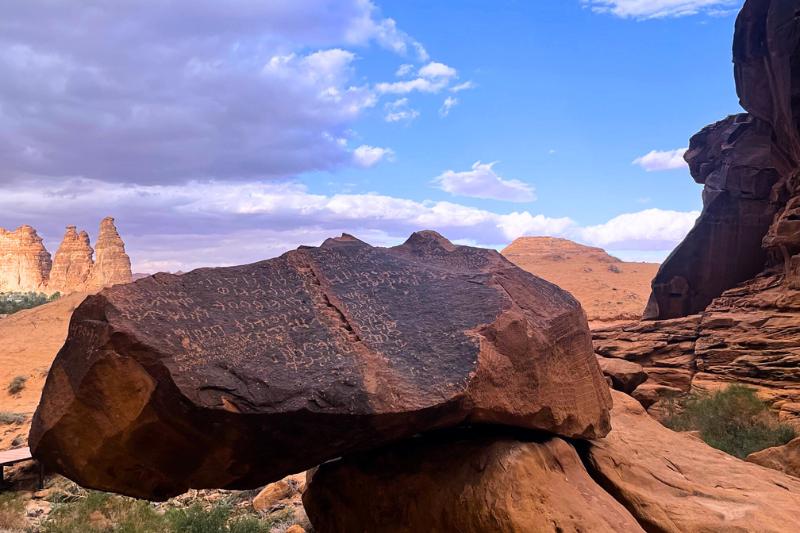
(250, 127)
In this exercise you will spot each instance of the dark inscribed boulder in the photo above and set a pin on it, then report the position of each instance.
(469, 483)
(235, 377)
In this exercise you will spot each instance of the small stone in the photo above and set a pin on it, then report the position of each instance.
(272, 494)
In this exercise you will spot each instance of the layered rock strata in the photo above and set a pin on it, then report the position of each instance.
(233, 377)
(26, 266)
(24, 262)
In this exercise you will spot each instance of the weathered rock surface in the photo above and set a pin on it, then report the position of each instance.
(609, 290)
(737, 273)
(112, 265)
(73, 262)
(471, 484)
(24, 262)
(672, 482)
(784, 458)
(235, 377)
(625, 376)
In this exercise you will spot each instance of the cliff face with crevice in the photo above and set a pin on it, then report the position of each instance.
(725, 306)
(26, 265)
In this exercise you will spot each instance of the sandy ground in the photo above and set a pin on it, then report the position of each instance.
(29, 340)
(609, 290)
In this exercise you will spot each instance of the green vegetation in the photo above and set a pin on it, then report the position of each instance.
(82, 511)
(733, 420)
(11, 302)
(7, 417)
(17, 384)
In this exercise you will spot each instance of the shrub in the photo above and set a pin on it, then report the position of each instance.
(7, 417)
(17, 384)
(195, 519)
(733, 420)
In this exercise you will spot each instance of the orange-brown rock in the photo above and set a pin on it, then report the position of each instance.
(625, 375)
(112, 265)
(672, 482)
(784, 458)
(72, 264)
(609, 289)
(235, 377)
(24, 262)
(470, 483)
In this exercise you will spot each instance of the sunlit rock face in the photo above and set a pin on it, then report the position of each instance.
(237, 376)
(24, 262)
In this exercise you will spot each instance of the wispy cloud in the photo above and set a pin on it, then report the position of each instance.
(448, 104)
(651, 9)
(657, 160)
(399, 111)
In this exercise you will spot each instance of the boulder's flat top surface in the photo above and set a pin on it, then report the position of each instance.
(609, 290)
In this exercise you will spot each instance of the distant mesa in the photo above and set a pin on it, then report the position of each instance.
(608, 288)
(26, 265)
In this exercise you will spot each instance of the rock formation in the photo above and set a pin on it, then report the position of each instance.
(672, 482)
(72, 265)
(233, 377)
(467, 482)
(734, 283)
(609, 290)
(641, 477)
(784, 458)
(24, 261)
(112, 264)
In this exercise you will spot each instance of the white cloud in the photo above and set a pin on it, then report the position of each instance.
(448, 104)
(237, 90)
(399, 111)
(656, 160)
(651, 229)
(404, 70)
(462, 87)
(651, 9)
(431, 78)
(435, 69)
(483, 182)
(179, 227)
(366, 156)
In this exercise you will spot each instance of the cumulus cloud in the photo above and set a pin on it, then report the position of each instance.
(399, 111)
(447, 105)
(366, 156)
(179, 227)
(651, 229)
(157, 93)
(652, 9)
(481, 181)
(657, 160)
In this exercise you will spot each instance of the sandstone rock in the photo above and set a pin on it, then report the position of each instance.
(24, 262)
(235, 377)
(625, 375)
(112, 265)
(72, 264)
(469, 483)
(295, 528)
(673, 483)
(272, 494)
(608, 289)
(784, 458)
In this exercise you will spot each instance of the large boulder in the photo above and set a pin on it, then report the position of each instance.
(235, 377)
(784, 458)
(470, 483)
(672, 482)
